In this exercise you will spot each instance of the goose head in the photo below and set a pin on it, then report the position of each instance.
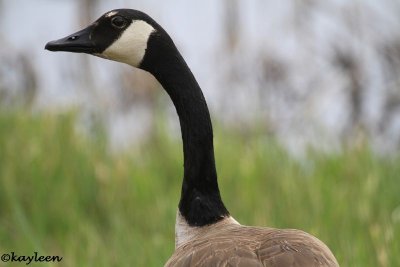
(121, 35)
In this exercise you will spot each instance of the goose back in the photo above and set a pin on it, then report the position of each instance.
(234, 245)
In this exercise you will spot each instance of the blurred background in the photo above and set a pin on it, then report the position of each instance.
(305, 100)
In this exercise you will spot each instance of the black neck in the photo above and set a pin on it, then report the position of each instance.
(200, 202)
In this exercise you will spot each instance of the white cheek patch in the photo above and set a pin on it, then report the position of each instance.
(131, 46)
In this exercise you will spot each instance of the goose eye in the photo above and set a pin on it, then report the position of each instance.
(118, 22)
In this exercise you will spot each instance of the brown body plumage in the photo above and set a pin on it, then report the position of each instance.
(229, 244)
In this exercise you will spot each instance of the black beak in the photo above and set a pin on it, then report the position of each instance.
(79, 42)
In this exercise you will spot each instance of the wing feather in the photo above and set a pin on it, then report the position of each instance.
(243, 246)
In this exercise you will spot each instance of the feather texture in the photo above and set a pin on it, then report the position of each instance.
(229, 244)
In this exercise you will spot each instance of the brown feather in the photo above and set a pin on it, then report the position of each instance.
(235, 245)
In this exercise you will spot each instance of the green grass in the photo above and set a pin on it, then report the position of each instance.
(62, 194)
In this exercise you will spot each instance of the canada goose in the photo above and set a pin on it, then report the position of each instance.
(206, 234)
